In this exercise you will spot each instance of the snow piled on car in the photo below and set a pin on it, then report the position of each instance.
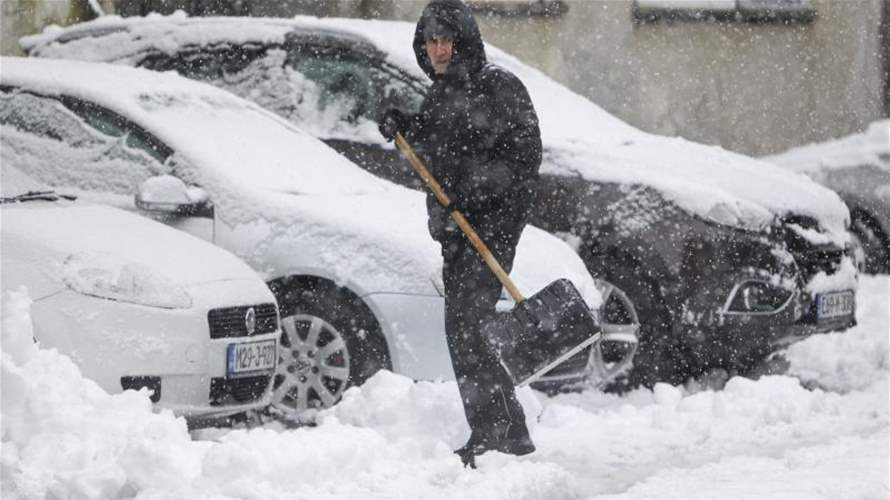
(270, 181)
(579, 136)
(392, 438)
(870, 147)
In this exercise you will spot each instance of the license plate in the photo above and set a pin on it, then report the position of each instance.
(836, 304)
(251, 357)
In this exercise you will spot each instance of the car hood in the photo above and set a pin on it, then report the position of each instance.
(78, 236)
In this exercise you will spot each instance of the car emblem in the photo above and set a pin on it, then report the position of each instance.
(250, 320)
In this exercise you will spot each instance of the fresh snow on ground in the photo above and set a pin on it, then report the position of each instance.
(819, 432)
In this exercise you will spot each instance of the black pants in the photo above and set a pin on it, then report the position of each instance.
(471, 291)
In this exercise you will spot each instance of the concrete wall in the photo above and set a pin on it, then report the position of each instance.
(25, 17)
(756, 88)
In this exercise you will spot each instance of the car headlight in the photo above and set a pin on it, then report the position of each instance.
(109, 277)
(758, 297)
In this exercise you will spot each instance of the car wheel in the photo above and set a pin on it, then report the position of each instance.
(328, 344)
(870, 243)
(658, 358)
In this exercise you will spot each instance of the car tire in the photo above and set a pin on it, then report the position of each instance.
(329, 342)
(871, 242)
(659, 356)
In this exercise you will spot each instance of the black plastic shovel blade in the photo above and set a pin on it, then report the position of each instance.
(542, 331)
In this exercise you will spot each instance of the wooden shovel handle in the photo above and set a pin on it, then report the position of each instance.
(478, 244)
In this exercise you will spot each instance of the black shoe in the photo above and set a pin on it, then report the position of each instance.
(515, 441)
(478, 444)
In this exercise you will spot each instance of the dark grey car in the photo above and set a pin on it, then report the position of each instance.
(726, 258)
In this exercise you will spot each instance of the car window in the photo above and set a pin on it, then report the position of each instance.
(66, 142)
(361, 86)
(207, 63)
(111, 124)
(330, 93)
(42, 117)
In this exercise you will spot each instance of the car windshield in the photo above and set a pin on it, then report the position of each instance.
(18, 187)
(250, 146)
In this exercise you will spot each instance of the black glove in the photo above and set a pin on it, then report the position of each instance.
(440, 223)
(392, 121)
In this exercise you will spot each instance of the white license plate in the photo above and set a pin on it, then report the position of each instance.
(833, 305)
(251, 357)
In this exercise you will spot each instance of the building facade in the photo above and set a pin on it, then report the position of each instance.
(756, 84)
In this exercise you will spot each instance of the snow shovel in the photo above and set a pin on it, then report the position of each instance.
(543, 330)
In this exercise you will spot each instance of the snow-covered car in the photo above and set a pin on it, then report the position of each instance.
(725, 257)
(857, 167)
(137, 304)
(347, 255)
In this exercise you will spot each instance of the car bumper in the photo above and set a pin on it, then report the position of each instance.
(738, 341)
(122, 345)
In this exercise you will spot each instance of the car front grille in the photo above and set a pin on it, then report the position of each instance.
(232, 321)
(225, 391)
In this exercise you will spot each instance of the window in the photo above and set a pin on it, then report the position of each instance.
(725, 10)
(68, 142)
(546, 8)
(360, 87)
(42, 117)
(114, 125)
(206, 63)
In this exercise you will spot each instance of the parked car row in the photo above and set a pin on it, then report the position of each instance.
(725, 257)
(693, 257)
(345, 255)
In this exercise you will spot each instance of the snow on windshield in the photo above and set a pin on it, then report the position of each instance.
(769, 438)
(211, 128)
(39, 134)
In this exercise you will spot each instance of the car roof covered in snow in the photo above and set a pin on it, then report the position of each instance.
(870, 147)
(260, 149)
(580, 138)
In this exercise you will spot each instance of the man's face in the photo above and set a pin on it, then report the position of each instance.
(440, 49)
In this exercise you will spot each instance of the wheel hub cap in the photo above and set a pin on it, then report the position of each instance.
(313, 366)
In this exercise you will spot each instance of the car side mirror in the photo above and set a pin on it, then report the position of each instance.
(168, 194)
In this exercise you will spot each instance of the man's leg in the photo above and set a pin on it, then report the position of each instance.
(488, 395)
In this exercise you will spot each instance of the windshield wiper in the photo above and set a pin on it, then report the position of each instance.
(37, 195)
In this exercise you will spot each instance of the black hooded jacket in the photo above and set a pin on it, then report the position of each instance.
(477, 126)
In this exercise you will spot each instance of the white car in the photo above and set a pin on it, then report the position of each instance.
(136, 304)
(347, 255)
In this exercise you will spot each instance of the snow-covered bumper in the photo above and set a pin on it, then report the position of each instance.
(213, 359)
